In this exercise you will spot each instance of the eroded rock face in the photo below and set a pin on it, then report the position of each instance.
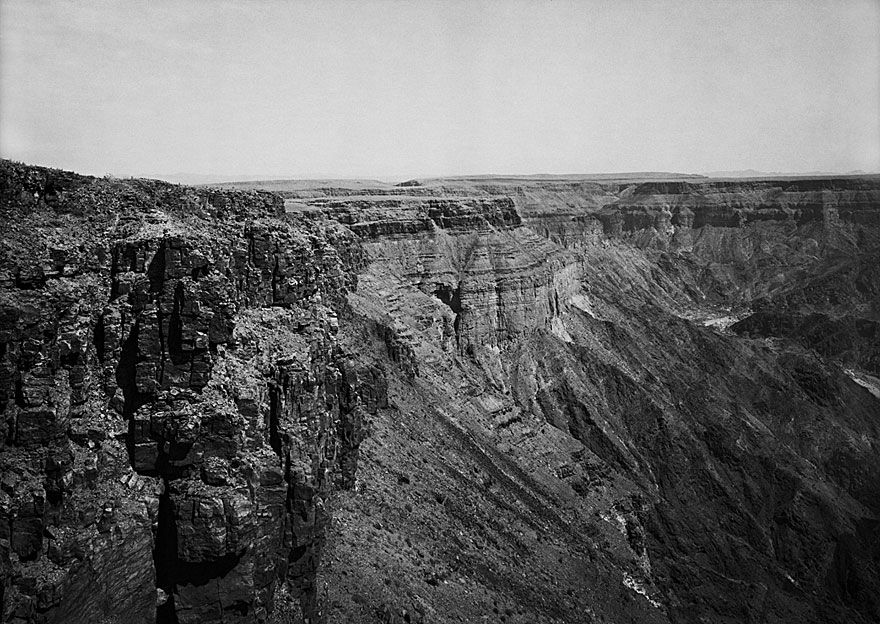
(495, 278)
(591, 360)
(522, 400)
(176, 406)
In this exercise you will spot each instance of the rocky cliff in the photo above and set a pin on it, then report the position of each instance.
(521, 400)
(176, 404)
(610, 345)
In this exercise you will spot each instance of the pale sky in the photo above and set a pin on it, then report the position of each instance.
(375, 88)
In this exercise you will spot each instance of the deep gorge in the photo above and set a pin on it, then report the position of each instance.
(535, 400)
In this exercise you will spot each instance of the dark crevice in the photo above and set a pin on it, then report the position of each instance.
(199, 272)
(297, 553)
(175, 329)
(132, 259)
(274, 414)
(452, 298)
(287, 469)
(171, 571)
(304, 560)
(19, 393)
(126, 379)
(50, 192)
(349, 432)
(200, 573)
(114, 271)
(114, 261)
(30, 281)
(165, 557)
(156, 270)
(169, 454)
(54, 494)
(126, 372)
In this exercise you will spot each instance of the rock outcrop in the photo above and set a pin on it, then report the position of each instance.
(524, 400)
(176, 406)
(708, 455)
(489, 278)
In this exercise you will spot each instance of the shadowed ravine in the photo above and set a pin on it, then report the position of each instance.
(524, 400)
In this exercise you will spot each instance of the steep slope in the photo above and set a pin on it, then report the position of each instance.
(175, 403)
(722, 479)
(514, 400)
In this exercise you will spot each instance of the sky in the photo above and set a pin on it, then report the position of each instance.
(399, 89)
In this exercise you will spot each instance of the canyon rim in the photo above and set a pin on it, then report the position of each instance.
(509, 399)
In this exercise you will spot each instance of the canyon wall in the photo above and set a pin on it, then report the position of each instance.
(713, 456)
(176, 406)
(524, 400)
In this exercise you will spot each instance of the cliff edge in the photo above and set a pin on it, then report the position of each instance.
(517, 400)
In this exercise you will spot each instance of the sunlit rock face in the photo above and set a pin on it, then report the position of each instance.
(496, 278)
(528, 400)
(623, 362)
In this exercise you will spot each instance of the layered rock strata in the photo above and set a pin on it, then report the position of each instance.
(494, 278)
(706, 453)
(457, 400)
(176, 406)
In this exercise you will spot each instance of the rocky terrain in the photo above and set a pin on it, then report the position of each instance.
(464, 400)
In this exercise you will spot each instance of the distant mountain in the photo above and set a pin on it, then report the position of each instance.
(753, 173)
(206, 178)
(627, 175)
(201, 178)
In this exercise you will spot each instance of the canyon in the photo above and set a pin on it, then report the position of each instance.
(507, 399)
